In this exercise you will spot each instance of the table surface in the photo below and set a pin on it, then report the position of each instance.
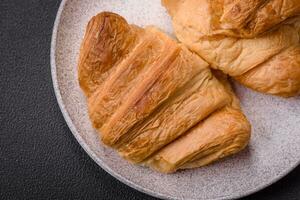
(39, 157)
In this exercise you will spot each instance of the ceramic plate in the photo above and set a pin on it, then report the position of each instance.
(274, 149)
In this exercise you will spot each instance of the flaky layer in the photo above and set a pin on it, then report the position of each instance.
(204, 97)
(238, 18)
(258, 62)
(223, 133)
(279, 75)
(100, 52)
(145, 91)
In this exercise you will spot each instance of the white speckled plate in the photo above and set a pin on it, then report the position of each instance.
(274, 149)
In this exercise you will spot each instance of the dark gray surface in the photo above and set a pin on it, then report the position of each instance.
(39, 157)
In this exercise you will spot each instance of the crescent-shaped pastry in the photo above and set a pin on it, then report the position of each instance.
(257, 42)
(154, 101)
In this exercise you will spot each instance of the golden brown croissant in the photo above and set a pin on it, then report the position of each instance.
(151, 99)
(255, 41)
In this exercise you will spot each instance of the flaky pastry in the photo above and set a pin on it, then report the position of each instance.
(257, 42)
(154, 101)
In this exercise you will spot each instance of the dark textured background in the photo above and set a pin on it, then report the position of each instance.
(39, 157)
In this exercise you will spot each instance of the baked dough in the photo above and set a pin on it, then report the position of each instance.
(256, 42)
(150, 97)
(238, 18)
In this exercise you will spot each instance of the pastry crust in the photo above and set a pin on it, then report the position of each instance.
(146, 92)
(254, 41)
(279, 75)
(218, 136)
(238, 18)
(100, 53)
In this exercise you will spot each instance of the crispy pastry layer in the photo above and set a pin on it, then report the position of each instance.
(238, 18)
(146, 93)
(255, 41)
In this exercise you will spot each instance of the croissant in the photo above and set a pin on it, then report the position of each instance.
(154, 101)
(257, 42)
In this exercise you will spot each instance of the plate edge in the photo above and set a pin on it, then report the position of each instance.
(92, 155)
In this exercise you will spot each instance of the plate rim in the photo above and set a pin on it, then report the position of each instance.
(93, 156)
